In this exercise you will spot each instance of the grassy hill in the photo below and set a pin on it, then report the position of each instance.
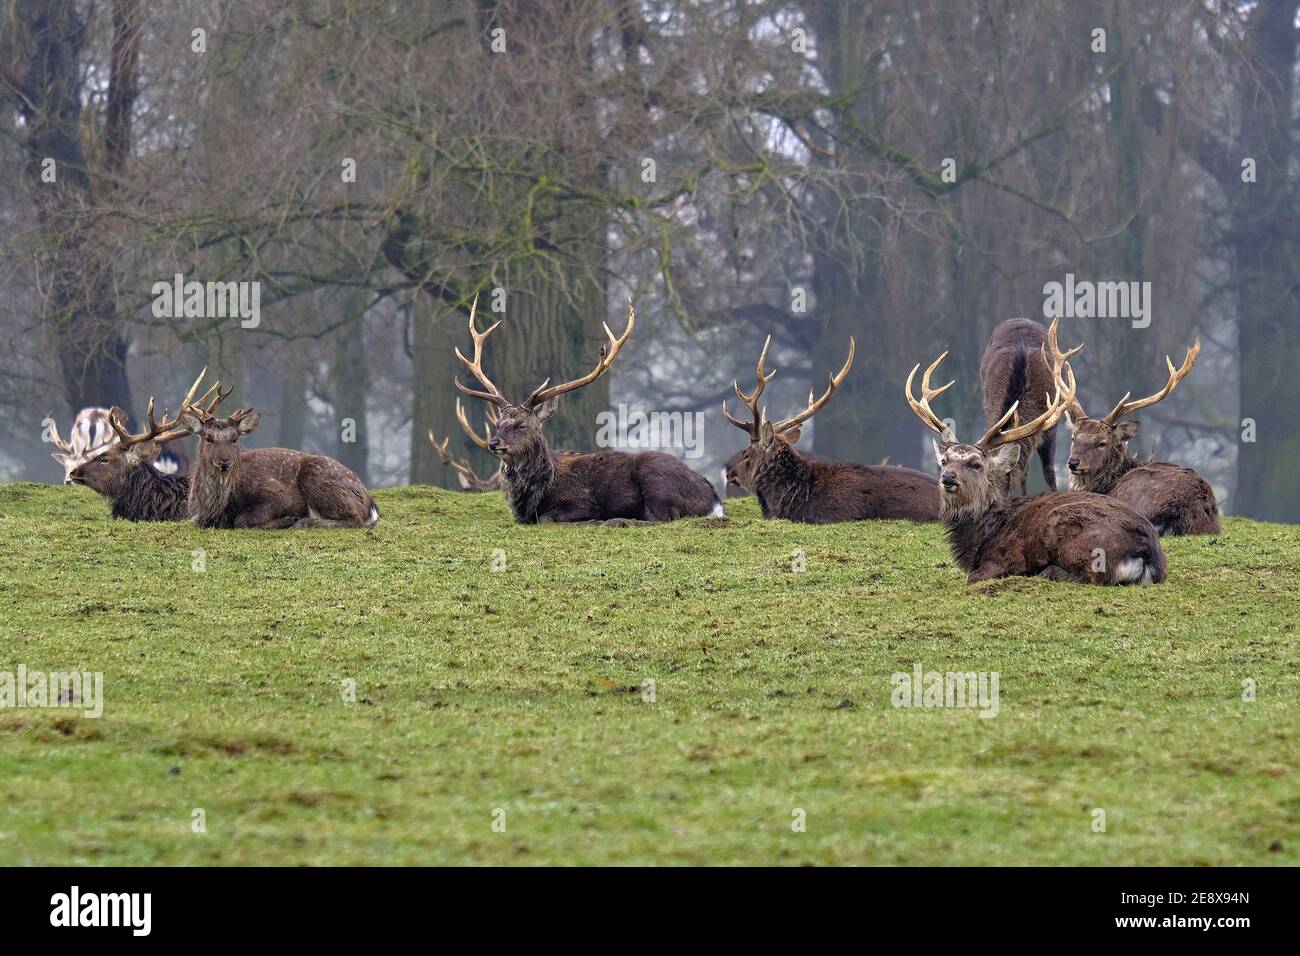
(524, 691)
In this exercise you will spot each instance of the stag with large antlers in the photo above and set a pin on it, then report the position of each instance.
(607, 486)
(1014, 370)
(1063, 536)
(124, 473)
(1175, 499)
(799, 487)
(268, 488)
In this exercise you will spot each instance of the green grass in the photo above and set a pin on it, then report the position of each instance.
(521, 690)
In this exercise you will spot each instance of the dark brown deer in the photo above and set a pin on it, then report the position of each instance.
(608, 486)
(1013, 370)
(1064, 536)
(465, 474)
(124, 471)
(268, 488)
(799, 487)
(1175, 499)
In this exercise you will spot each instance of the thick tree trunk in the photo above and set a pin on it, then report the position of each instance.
(1266, 250)
(82, 317)
(350, 386)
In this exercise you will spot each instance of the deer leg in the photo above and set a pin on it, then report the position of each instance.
(1055, 573)
(1047, 455)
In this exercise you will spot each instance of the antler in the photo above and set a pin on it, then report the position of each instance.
(1175, 376)
(55, 437)
(480, 440)
(607, 355)
(446, 458)
(1058, 359)
(751, 400)
(1058, 364)
(493, 394)
(814, 406)
(922, 407)
(203, 407)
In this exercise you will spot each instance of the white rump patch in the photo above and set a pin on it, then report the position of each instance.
(718, 511)
(373, 518)
(1132, 570)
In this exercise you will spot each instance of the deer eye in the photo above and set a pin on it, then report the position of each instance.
(976, 465)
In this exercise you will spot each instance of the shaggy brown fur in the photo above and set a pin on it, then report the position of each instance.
(1065, 536)
(135, 490)
(270, 488)
(799, 487)
(1175, 499)
(1012, 370)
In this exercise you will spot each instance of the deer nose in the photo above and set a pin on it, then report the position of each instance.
(494, 444)
(1073, 463)
(223, 464)
(949, 480)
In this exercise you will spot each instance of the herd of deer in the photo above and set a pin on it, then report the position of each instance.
(1105, 531)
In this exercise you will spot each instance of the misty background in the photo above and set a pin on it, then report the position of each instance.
(909, 173)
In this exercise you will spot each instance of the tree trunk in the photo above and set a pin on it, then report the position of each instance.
(1266, 249)
(350, 385)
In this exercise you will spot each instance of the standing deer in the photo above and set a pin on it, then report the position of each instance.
(1013, 370)
(799, 487)
(1175, 499)
(1063, 536)
(607, 486)
(268, 488)
(465, 474)
(125, 471)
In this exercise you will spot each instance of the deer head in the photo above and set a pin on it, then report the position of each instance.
(973, 476)
(219, 450)
(1099, 446)
(105, 471)
(518, 428)
(771, 442)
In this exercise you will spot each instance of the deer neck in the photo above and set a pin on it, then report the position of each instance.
(528, 481)
(783, 484)
(146, 494)
(1101, 482)
(210, 493)
(970, 527)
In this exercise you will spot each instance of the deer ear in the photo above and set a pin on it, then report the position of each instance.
(766, 435)
(939, 451)
(249, 422)
(792, 434)
(1005, 458)
(192, 421)
(547, 408)
(1126, 430)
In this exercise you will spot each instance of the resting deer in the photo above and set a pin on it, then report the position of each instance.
(92, 433)
(1063, 536)
(124, 471)
(605, 486)
(1013, 370)
(465, 474)
(268, 488)
(800, 487)
(1175, 499)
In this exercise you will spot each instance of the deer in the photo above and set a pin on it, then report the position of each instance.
(92, 433)
(1072, 536)
(607, 487)
(465, 474)
(800, 487)
(268, 488)
(1176, 500)
(1013, 369)
(124, 471)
